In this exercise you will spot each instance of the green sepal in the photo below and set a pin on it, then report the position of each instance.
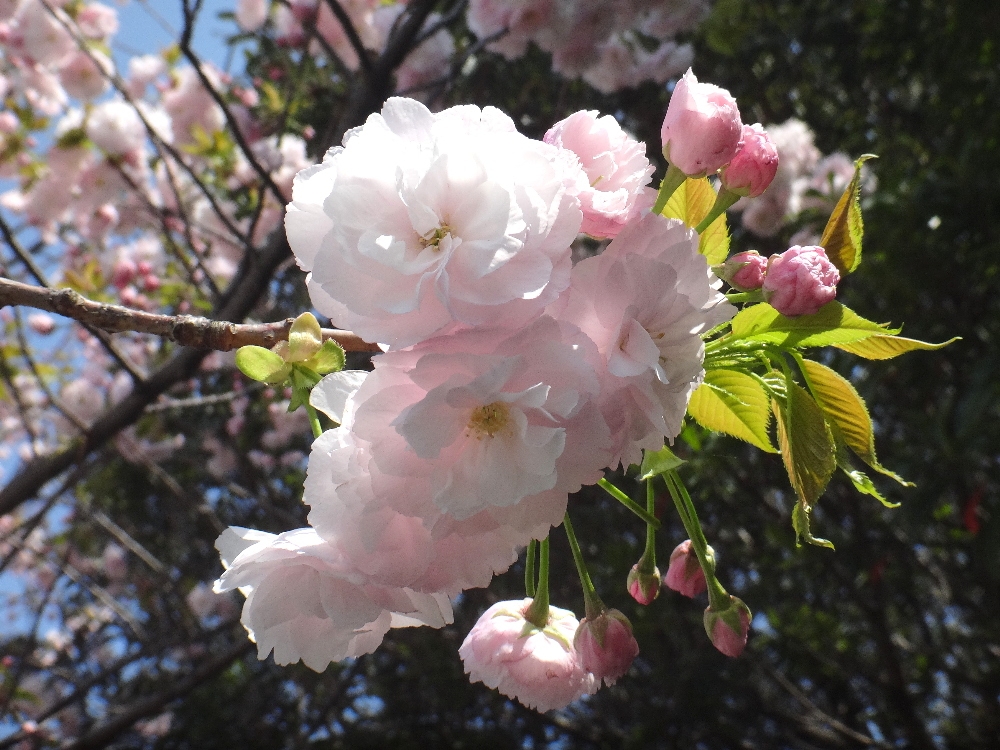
(833, 324)
(303, 380)
(733, 402)
(842, 236)
(658, 462)
(330, 358)
(887, 347)
(262, 365)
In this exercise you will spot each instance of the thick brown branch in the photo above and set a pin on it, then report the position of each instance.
(187, 330)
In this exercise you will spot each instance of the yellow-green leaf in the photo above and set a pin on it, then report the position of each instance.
(887, 347)
(691, 203)
(330, 358)
(800, 522)
(842, 235)
(859, 479)
(305, 338)
(734, 403)
(261, 364)
(806, 443)
(833, 324)
(844, 407)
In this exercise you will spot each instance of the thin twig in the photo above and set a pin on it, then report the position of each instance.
(352, 35)
(187, 330)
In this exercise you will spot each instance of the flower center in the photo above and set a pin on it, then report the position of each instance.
(434, 237)
(489, 419)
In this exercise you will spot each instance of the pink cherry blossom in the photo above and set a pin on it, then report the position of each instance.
(616, 167)
(537, 666)
(84, 75)
(643, 302)
(755, 164)
(684, 575)
(423, 221)
(251, 14)
(606, 645)
(701, 130)
(305, 601)
(800, 280)
(115, 127)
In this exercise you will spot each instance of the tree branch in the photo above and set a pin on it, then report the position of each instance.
(187, 330)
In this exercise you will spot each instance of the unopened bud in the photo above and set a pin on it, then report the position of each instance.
(728, 628)
(754, 166)
(744, 271)
(685, 575)
(606, 645)
(800, 280)
(644, 587)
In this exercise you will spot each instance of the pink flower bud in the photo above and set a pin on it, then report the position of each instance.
(8, 122)
(800, 280)
(685, 575)
(606, 645)
(754, 166)
(150, 282)
(702, 128)
(728, 628)
(644, 587)
(41, 323)
(744, 271)
(123, 273)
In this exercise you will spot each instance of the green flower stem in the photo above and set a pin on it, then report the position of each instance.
(672, 180)
(628, 502)
(738, 298)
(317, 428)
(593, 605)
(722, 201)
(647, 563)
(538, 611)
(717, 596)
(529, 568)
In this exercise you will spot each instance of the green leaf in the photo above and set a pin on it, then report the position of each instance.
(887, 347)
(734, 403)
(691, 203)
(800, 522)
(305, 338)
(833, 324)
(658, 462)
(842, 235)
(330, 358)
(859, 479)
(806, 443)
(844, 407)
(261, 364)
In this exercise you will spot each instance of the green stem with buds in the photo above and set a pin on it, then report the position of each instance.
(593, 606)
(647, 563)
(628, 502)
(672, 180)
(718, 599)
(538, 611)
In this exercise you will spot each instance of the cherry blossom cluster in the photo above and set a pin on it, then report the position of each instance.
(509, 379)
(610, 50)
(805, 188)
(311, 25)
